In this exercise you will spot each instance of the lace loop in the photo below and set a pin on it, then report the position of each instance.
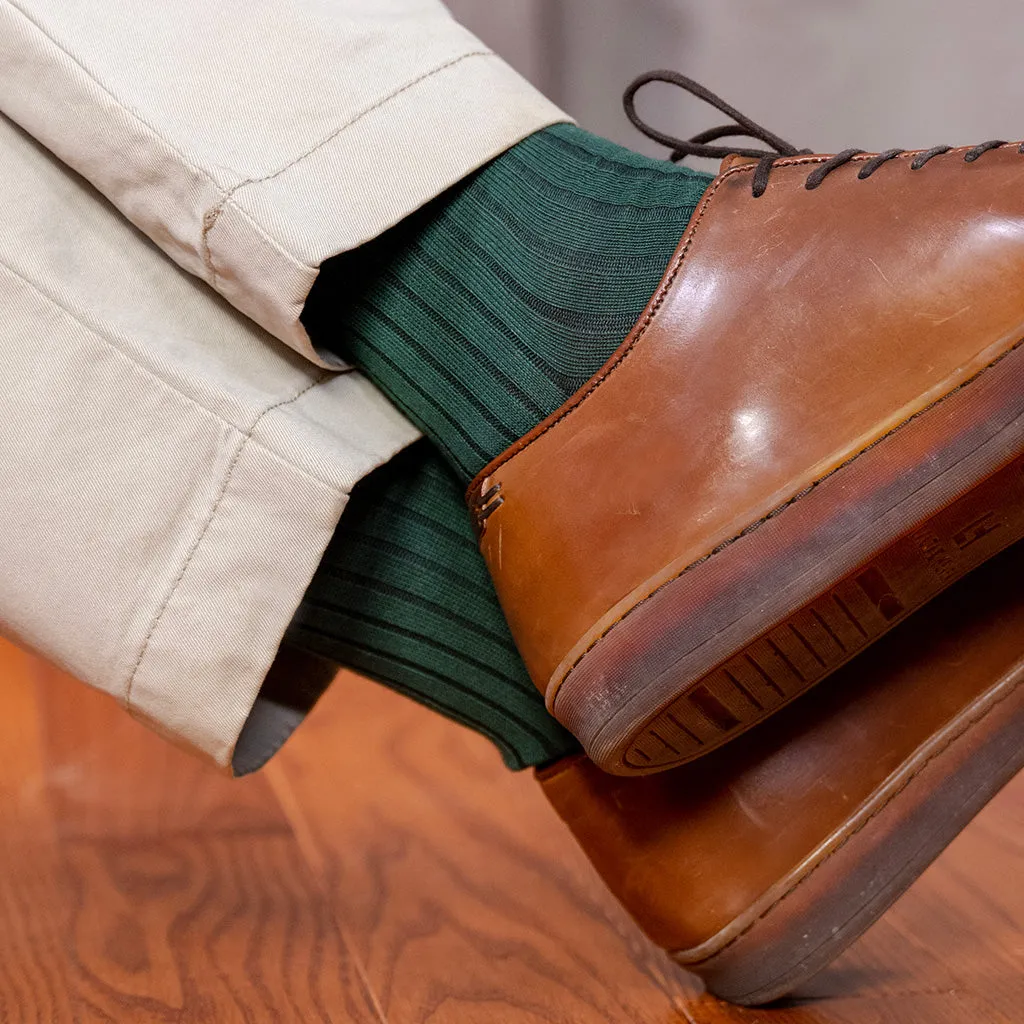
(701, 144)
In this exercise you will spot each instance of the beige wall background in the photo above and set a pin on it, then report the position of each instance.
(824, 74)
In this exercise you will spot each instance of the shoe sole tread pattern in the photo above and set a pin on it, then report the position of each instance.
(824, 635)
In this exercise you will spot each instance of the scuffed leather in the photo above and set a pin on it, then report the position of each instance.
(790, 333)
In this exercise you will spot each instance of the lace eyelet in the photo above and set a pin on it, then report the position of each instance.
(876, 161)
(972, 154)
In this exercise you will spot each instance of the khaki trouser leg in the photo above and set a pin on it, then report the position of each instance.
(170, 473)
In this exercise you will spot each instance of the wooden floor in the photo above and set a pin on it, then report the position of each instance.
(385, 867)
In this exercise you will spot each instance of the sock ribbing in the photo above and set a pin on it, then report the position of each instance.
(403, 597)
(487, 309)
(478, 316)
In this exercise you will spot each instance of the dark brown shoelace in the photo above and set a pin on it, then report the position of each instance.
(744, 127)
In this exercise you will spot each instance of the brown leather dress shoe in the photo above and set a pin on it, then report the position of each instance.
(816, 426)
(758, 865)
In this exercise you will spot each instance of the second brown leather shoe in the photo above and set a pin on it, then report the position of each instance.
(758, 865)
(816, 426)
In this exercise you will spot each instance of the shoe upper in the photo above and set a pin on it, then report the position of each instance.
(793, 330)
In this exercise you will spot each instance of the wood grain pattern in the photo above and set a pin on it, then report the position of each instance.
(386, 868)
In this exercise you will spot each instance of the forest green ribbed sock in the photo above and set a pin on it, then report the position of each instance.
(478, 316)
(486, 310)
(403, 596)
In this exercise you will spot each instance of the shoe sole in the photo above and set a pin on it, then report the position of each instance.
(770, 614)
(808, 919)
